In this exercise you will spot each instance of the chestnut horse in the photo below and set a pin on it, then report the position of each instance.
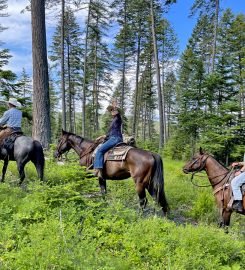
(219, 178)
(144, 167)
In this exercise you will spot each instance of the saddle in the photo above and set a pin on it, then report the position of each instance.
(8, 142)
(119, 152)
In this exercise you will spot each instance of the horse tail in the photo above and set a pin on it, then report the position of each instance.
(157, 183)
(38, 158)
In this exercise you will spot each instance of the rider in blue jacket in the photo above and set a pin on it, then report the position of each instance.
(113, 137)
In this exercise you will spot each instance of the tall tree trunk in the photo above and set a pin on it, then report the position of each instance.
(96, 84)
(41, 129)
(69, 88)
(85, 73)
(124, 56)
(216, 21)
(160, 96)
(164, 105)
(137, 82)
(63, 64)
(144, 120)
(74, 114)
(242, 92)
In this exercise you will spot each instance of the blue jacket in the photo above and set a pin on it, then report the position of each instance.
(115, 127)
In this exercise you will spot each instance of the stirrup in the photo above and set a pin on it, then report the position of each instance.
(90, 167)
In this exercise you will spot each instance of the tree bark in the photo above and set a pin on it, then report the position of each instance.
(124, 55)
(63, 64)
(216, 21)
(41, 129)
(69, 88)
(137, 82)
(160, 96)
(85, 73)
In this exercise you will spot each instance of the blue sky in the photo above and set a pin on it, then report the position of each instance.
(183, 25)
(17, 37)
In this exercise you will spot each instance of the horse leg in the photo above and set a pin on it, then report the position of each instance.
(226, 219)
(142, 196)
(21, 166)
(102, 183)
(4, 169)
(225, 216)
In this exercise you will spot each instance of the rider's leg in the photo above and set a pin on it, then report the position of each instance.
(99, 157)
(236, 184)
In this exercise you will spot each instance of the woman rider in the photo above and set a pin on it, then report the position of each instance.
(113, 137)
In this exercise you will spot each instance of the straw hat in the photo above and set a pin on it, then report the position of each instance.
(14, 102)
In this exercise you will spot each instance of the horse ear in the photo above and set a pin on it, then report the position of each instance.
(201, 151)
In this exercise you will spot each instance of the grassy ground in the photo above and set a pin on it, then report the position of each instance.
(66, 224)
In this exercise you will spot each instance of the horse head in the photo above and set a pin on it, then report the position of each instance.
(63, 144)
(197, 162)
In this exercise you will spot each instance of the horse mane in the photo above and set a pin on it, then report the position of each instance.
(75, 135)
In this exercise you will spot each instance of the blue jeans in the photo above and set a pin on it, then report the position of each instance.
(236, 184)
(99, 156)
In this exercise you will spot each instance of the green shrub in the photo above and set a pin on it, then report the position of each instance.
(67, 224)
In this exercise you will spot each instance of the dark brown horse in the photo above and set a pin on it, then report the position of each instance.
(144, 167)
(219, 178)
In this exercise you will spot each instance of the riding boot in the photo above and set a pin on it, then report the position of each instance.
(237, 206)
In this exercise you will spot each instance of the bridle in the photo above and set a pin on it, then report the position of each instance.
(202, 163)
(61, 144)
(202, 166)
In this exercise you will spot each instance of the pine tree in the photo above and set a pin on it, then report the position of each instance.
(168, 49)
(124, 43)
(25, 91)
(72, 59)
(238, 53)
(209, 102)
(7, 77)
(98, 63)
(211, 9)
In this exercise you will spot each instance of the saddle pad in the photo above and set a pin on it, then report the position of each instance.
(118, 152)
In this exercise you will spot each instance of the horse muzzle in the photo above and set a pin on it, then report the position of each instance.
(186, 170)
(57, 154)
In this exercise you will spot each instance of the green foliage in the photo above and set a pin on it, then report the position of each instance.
(66, 224)
(204, 208)
(151, 145)
(210, 103)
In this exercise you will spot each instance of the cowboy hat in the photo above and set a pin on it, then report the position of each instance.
(112, 108)
(14, 102)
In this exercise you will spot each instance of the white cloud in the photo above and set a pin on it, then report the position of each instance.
(19, 24)
(18, 37)
(20, 61)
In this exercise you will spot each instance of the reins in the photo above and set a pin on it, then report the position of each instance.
(210, 185)
(201, 168)
(89, 150)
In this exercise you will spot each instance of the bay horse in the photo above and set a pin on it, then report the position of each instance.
(144, 167)
(219, 178)
(25, 149)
